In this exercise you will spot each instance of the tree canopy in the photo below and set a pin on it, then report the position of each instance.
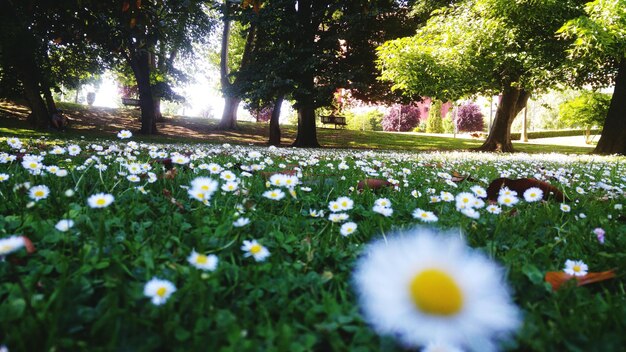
(483, 47)
(598, 57)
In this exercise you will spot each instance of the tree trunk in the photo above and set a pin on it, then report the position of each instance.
(274, 123)
(304, 94)
(140, 64)
(229, 115)
(307, 133)
(39, 117)
(158, 116)
(231, 103)
(50, 104)
(613, 137)
(499, 139)
(233, 98)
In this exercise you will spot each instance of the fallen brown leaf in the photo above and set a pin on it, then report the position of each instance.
(373, 183)
(521, 185)
(557, 278)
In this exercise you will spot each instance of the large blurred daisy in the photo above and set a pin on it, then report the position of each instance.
(422, 287)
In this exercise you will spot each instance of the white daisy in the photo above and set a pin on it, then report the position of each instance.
(494, 209)
(64, 224)
(38, 192)
(203, 262)
(383, 202)
(425, 216)
(254, 249)
(4, 177)
(348, 228)
(274, 194)
(470, 213)
(446, 196)
(575, 267)
(464, 200)
(316, 213)
(11, 244)
(386, 211)
(479, 191)
(230, 186)
(241, 222)
(100, 200)
(533, 194)
(204, 184)
(565, 208)
(422, 287)
(345, 202)
(334, 206)
(508, 200)
(159, 290)
(124, 134)
(338, 217)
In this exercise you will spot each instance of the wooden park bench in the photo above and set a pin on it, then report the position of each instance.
(130, 102)
(334, 120)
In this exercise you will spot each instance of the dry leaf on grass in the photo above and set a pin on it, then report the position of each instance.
(521, 185)
(373, 183)
(557, 278)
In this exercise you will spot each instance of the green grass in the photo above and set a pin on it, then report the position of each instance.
(251, 132)
(83, 289)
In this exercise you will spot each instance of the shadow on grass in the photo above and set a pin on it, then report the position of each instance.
(94, 123)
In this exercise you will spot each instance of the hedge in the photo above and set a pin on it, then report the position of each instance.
(550, 134)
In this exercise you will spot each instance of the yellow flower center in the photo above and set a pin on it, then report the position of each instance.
(101, 201)
(424, 215)
(344, 204)
(274, 195)
(576, 268)
(255, 249)
(161, 292)
(5, 248)
(435, 292)
(39, 193)
(204, 188)
(202, 259)
(33, 165)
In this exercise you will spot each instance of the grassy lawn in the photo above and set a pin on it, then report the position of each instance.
(96, 123)
(131, 252)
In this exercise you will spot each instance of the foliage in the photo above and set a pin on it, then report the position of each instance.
(587, 110)
(434, 124)
(473, 47)
(86, 285)
(264, 114)
(448, 124)
(365, 121)
(401, 118)
(599, 42)
(469, 118)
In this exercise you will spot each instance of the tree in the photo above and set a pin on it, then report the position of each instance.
(434, 124)
(469, 118)
(24, 54)
(306, 50)
(487, 47)
(401, 118)
(230, 81)
(586, 110)
(147, 36)
(599, 58)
